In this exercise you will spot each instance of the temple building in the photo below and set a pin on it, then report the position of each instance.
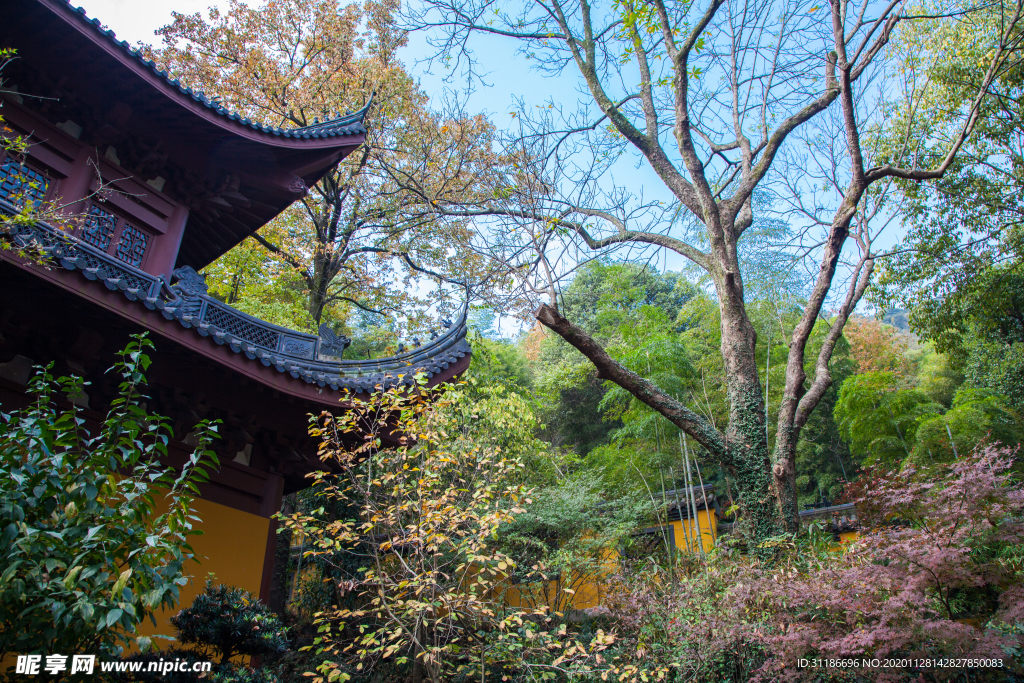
(164, 180)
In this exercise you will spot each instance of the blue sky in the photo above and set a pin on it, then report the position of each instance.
(134, 21)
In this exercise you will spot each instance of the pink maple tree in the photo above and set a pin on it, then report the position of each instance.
(938, 572)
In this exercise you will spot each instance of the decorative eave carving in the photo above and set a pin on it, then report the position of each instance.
(303, 356)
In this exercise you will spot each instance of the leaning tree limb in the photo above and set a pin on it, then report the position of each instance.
(645, 391)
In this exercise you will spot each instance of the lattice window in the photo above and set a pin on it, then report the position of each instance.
(99, 228)
(132, 245)
(230, 321)
(19, 183)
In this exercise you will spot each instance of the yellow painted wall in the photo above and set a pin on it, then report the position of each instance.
(587, 589)
(578, 591)
(687, 539)
(581, 588)
(232, 547)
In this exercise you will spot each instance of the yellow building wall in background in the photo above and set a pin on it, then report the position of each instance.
(588, 590)
(232, 547)
(578, 589)
(687, 538)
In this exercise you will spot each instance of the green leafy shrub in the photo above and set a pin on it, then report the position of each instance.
(169, 654)
(879, 416)
(887, 423)
(312, 594)
(229, 621)
(976, 416)
(428, 601)
(84, 556)
(223, 621)
(244, 675)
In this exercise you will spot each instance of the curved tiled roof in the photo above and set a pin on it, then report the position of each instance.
(348, 124)
(299, 354)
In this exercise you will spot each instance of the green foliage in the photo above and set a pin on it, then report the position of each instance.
(604, 295)
(958, 268)
(976, 416)
(312, 593)
(993, 346)
(824, 464)
(251, 280)
(566, 539)
(647, 345)
(230, 621)
(937, 377)
(500, 363)
(492, 415)
(243, 674)
(879, 417)
(611, 301)
(424, 514)
(978, 326)
(497, 415)
(635, 466)
(888, 423)
(570, 394)
(168, 654)
(85, 556)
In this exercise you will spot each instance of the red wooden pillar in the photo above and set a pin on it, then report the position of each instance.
(167, 245)
(74, 188)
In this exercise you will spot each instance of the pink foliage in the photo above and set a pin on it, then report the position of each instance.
(934, 576)
(925, 582)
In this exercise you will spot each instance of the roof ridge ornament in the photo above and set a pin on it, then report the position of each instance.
(332, 344)
(327, 126)
(190, 287)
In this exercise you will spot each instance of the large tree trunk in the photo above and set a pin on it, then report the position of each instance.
(318, 288)
(784, 482)
(797, 400)
(745, 437)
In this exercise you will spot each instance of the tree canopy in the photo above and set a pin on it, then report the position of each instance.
(359, 239)
(727, 103)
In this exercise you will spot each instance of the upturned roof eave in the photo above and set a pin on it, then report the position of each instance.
(347, 131)
(439, 359)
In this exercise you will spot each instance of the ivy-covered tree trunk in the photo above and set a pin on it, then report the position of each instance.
(746, 441)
